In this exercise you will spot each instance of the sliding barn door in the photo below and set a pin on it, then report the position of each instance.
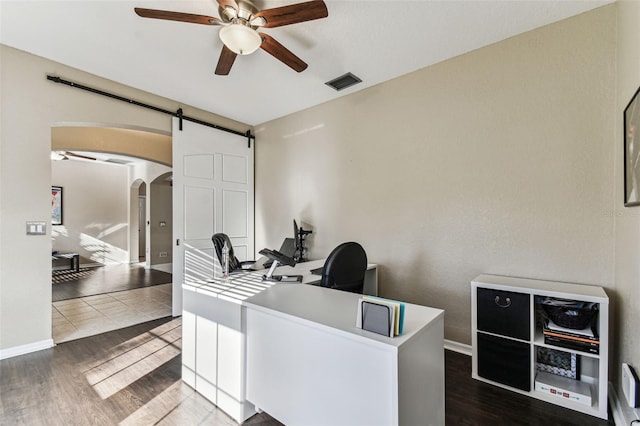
(212, 192)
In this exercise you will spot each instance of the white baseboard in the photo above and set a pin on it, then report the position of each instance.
(25, 349)
(623, 415)
(457, 347)
(164, 267)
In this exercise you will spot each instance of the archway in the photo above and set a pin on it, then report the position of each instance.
(160, 253)
(151, 154)
(150, 145)
(137, 142)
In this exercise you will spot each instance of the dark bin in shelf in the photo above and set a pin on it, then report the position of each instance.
(505, 313)
(504, 361)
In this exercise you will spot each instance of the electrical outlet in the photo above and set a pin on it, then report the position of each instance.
(163, 254)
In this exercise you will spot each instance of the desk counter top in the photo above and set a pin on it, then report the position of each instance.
(237, 288)
(335, 310)
(244, 284)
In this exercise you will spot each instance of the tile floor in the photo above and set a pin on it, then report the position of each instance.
(87, 316)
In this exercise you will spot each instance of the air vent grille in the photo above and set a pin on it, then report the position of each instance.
(343, 81)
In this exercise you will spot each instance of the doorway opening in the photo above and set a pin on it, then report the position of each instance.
(142, 223)
(108, 204)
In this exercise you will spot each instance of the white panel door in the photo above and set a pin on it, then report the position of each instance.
(212, 192)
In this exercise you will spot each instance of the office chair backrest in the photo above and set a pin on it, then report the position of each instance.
(218, 242)
(345, 268)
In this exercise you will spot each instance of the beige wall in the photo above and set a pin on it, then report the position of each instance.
(161, 203)
(95, 201)
(147, 172)
(626, 311)
(30, 106)
(498, 161)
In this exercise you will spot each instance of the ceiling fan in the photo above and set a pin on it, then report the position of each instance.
(240, 21)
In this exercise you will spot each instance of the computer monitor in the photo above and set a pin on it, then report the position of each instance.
(299, 235)
(296, 238)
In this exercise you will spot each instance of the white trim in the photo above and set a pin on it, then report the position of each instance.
(163, 267)
(622, 414)
(457, 347)
(25, 349)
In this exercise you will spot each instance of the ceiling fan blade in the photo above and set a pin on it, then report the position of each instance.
(73, 154)
(281, 53)
(177, 16)
(292, 14)
(225, 61)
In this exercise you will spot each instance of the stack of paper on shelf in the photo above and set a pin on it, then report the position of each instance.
(379, 315)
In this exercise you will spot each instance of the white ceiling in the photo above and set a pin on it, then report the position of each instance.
(375, 40)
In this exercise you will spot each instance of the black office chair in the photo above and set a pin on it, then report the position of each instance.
(234, 264)
(345, 268)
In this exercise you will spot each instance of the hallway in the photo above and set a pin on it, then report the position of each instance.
(108, 298)
(90, 281)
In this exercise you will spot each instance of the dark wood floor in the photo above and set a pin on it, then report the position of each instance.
(107, 279)
(132, 377)
(471, 402)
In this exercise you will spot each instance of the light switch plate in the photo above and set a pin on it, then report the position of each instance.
(36, 228)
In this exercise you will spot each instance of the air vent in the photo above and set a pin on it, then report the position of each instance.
(343, 81)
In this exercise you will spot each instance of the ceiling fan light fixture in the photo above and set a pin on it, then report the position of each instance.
(240, 38)
(229, 13)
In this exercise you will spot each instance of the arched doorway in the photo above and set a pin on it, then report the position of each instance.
(160, 248)
(150, 155)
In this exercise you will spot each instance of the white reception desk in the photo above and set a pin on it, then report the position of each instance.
(249, 343)
(307, 363)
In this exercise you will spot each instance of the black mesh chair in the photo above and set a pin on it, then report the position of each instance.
(345, 268)
(234, 264)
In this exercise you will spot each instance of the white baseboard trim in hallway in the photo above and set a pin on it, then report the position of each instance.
(25, 349)
(163, 267)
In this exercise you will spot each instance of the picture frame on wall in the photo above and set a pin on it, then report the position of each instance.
(56, 205)
(632, 151)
